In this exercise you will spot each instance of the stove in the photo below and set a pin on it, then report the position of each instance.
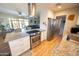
(35, 38)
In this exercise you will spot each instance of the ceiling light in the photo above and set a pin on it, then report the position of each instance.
(58, 5)
(20, 14)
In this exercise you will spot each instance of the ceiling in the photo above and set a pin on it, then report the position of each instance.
(23, 7)
(15, 6)
(53, 6)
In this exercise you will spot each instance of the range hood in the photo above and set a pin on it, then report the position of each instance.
(31, 10)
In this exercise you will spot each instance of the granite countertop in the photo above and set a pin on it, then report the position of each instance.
(67, 48)
(36, 29)
(15, 35)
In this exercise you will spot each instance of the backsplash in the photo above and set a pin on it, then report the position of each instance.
(34, 21)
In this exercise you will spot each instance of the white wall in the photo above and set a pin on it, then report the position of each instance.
(44, 15)
(68, 23)
(78, 20)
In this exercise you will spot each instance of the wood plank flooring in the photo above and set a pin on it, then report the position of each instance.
(46, 47)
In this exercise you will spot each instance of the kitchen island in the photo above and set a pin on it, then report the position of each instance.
(18, 43)
(15, 35)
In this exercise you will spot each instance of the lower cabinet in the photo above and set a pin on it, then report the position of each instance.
(43, 35)
(19, 46)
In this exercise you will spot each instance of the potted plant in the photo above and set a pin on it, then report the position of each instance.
(2, 27)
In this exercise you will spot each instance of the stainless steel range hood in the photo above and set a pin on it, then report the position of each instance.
(31, 10)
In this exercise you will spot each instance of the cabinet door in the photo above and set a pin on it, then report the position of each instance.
(43, 35)
(27, 43)
(18, 46)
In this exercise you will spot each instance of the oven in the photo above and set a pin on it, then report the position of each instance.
(35, 38)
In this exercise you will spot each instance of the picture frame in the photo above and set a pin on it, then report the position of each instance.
(71, 17)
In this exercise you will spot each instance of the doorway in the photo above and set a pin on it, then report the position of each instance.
(62, 20)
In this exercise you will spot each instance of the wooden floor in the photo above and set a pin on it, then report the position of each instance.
(46, 47)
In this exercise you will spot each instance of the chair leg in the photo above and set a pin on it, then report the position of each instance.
(68, 38)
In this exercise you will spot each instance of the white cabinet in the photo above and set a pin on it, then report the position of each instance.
(43, 35)
(18, 46)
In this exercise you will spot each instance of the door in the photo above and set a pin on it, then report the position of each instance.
(62, 20)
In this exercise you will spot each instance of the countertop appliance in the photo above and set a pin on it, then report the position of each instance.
(35, 38)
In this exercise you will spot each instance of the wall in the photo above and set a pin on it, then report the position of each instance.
(78, 20)
(68, 23)
(44, 15)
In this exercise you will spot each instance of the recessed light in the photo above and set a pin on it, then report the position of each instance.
(58, 5)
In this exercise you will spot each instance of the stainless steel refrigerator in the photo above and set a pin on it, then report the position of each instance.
(53, 28)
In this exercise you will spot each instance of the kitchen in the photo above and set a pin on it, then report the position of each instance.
(28, 30)
(22, 36)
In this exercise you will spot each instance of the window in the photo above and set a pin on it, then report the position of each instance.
(26, 22)
(19, 23)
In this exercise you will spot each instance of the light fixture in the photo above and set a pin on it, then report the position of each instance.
(58, 5)
(20, 14)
